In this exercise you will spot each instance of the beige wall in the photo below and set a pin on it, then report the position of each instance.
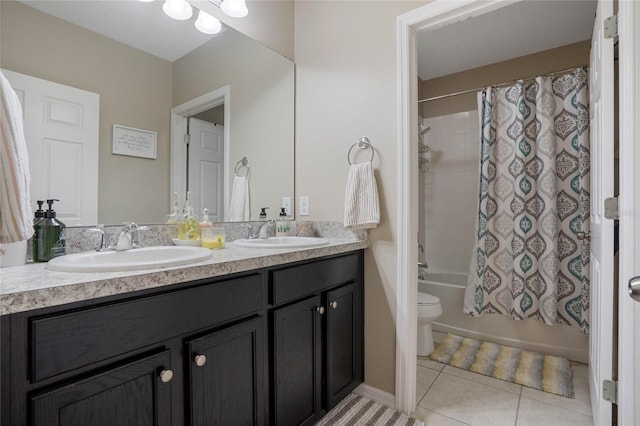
(572, 55)
(134, 88)
(213, 115)
(261, 109)
(345, 55)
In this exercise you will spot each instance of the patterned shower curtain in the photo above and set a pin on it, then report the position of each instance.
(533, 200)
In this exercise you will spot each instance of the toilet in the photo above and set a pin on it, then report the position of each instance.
(429, 309)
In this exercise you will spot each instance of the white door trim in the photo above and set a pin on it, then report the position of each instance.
(179, 116)
(629, 310)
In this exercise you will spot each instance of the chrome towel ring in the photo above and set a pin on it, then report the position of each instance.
(362, 143)
(240, 164)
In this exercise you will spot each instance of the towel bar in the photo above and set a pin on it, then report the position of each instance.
(362, 143)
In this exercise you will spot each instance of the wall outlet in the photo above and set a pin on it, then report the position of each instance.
(286, 203)
(304, 205)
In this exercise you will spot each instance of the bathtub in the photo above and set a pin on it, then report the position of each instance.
(530, 334)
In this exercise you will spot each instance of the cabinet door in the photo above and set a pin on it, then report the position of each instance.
(135, 394)
(297, 362)
(227, 376)
(344, 343)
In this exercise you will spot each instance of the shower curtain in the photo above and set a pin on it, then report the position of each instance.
(533, 200)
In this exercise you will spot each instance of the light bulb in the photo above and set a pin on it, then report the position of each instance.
(234, 8)
(208, 24)
(177, 9)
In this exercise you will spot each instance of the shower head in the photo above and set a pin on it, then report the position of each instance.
(424, 129)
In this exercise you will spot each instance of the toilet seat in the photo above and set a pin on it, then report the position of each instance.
(426, 299)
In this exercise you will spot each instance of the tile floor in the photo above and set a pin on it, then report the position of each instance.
(449, 396)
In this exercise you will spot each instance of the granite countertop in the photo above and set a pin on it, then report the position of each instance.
(32, 286)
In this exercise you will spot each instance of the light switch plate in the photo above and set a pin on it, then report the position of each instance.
(304, 205)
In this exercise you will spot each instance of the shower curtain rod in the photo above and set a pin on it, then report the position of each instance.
(506, 83)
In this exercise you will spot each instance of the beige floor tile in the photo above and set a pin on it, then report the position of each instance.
(536, 413)
(425, 361)
(582, 401)
(431, 418)
(424, 379)
(484, 380)
(471, 402)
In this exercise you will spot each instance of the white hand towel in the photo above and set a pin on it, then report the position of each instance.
(239, 204)
(361, 203)
(16, 220)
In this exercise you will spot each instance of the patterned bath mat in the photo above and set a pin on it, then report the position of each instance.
(357, 410)
(543, 372)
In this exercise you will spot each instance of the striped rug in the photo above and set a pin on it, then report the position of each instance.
(358, 410)
(543, 372)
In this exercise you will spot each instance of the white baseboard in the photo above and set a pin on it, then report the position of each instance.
(377, 395)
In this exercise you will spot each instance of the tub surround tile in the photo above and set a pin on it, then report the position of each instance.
(535, 413)
(471, 402)
(32, 286)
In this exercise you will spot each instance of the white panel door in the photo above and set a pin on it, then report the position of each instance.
(206, 167)
(602, 280)
(61, 130)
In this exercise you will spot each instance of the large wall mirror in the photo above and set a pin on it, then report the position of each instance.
(228, 81)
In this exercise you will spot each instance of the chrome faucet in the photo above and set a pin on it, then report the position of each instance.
(128, 237)
(424, 264)
(252, 235)
(104, 241)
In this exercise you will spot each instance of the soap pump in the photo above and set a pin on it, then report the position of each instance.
(263, 213)
(190, 228)
(39, 214)
(49, 238)
(283, 225)
(174, 217)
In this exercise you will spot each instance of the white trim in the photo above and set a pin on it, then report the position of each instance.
(375, 394)
(428, 17)
(629, 133)
(179, 115)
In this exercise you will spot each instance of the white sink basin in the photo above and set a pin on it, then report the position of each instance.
(282, 242)
(129, 260)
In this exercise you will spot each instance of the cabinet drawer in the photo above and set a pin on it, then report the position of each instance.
(298, 281)
(64, 342)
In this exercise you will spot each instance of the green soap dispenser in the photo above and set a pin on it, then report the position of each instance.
(49, 240)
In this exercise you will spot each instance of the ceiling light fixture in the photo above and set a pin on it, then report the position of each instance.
(182, 10)
(208, 24)
(177, 9)
(234, 8)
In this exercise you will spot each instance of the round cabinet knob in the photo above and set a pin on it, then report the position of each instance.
(200, 360)
(166, 376)
(334, 304)
(320, 309)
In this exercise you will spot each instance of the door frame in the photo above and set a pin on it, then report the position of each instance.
(432, 16)
(629, 208)
(179, 115)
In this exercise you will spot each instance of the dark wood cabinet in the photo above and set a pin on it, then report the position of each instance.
(227, 376)
(136, 393)
(279, 345)
(317, 353)
(297, 358)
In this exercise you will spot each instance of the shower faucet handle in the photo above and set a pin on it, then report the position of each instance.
(423, 265)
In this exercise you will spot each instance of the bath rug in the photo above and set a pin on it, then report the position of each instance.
(547, 373)
(358, 410)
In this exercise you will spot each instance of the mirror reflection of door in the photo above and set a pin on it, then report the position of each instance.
(205, 165)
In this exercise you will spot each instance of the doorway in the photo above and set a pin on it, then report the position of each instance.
(180, 118)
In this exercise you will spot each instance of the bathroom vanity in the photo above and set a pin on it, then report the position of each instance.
(279, 344)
